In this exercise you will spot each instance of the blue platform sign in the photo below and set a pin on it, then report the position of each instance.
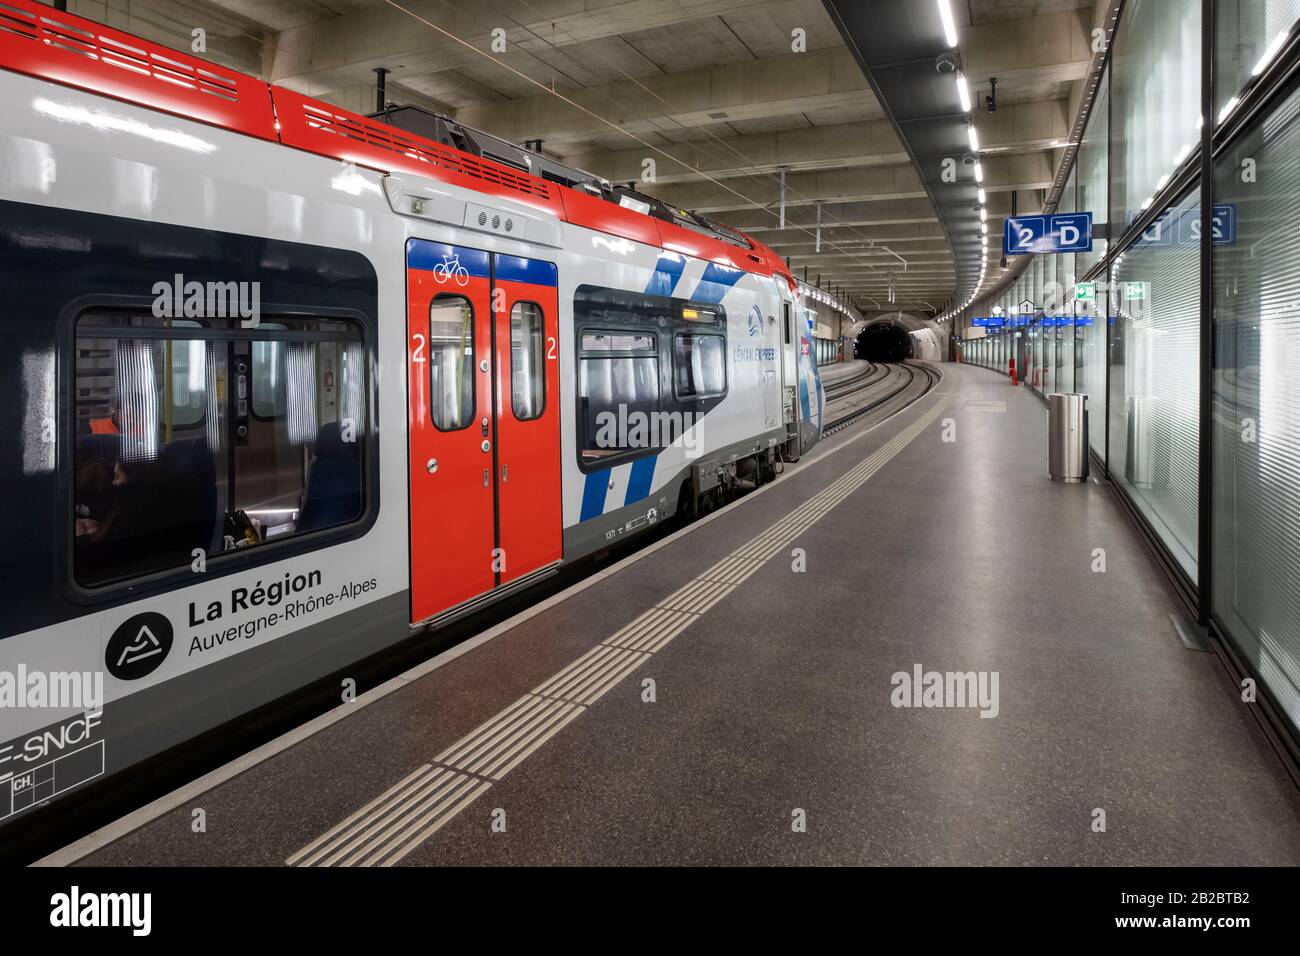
(1182, 227)
(1064, 232)
(1224, 225)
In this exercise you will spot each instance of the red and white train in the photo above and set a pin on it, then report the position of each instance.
(282, 383)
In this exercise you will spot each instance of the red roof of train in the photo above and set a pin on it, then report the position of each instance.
(64, 48)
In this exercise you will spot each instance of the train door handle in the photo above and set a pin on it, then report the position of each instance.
(487, 478)
(505, 473)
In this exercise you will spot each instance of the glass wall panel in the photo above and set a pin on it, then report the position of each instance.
(1048, 296)
(1033, 279)
(1154, 396)
(1256, 480)
(1044, 276)
(1248, 34)
(1065, 300)
(1031, 357)
(1155, 100)
(1092, 366)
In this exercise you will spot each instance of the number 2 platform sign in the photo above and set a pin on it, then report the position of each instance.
(1065, 232)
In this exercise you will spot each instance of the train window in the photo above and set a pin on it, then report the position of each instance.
(451, 362)
(617, 388)
(268, 386)
(699, 365)
(186, 362)
(167, 466)
(527, 361)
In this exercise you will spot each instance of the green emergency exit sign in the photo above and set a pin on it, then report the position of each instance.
(1085, 292)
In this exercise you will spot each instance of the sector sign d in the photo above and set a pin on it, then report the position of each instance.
(1031, 235)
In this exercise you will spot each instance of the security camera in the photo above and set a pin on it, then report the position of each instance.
(946, 62)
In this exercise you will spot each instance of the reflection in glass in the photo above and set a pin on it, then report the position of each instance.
(1155, 389)
(1256, 398)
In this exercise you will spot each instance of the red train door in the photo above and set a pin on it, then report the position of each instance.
(483, 422)
(528, 415)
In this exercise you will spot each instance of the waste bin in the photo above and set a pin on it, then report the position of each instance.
(1067, 437)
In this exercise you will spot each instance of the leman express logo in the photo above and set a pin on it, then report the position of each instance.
(755, 322)
(138, 646)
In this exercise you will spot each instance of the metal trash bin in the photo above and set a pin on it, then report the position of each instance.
(1067, 437)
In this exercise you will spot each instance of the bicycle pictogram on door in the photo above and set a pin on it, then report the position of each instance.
(450, 268)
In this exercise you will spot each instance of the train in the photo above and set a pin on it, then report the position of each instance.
(286, 384)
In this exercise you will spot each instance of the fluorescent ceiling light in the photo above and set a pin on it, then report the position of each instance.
(963, 92)
(949, 27)
(981, 196)
(983, 215)
(974, 138)
(979, 172)
(1228, 107)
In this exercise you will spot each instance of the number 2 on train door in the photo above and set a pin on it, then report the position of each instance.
(482, 433)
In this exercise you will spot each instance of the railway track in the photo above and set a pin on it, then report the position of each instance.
(871, 391)
(843, 387)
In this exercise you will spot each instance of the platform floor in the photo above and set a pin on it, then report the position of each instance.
(773, 695)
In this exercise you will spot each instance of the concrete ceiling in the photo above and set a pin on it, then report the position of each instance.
(710, 90)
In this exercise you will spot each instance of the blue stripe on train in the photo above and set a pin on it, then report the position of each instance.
(638, 483)
(423, 254)
(668, 272)
(517, 269)
(715, 283)
(593, 494)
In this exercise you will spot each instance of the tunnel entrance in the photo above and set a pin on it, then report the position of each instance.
(884, 342)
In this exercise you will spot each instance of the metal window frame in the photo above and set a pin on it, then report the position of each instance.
(541, 312)
(447, 297)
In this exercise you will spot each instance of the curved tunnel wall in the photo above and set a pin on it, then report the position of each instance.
(883, 342)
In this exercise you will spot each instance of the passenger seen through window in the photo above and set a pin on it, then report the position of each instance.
(192, 466)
